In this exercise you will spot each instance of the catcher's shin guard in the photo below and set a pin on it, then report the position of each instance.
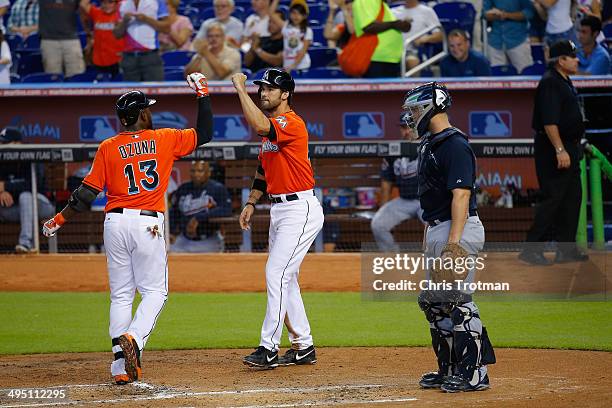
(442, 343)
(471, 344)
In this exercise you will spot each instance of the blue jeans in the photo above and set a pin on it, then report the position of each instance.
(22, 211)
(566, 35)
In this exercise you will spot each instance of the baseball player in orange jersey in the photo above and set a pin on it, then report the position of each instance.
(296, 216)
(134, 167)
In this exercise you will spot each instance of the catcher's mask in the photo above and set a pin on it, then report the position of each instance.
(130, 104)
(277, 78)
(422, 103)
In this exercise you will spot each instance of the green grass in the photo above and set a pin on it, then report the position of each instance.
(71, 322)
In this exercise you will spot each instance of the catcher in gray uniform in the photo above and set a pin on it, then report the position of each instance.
(446, 178)
(401, 171)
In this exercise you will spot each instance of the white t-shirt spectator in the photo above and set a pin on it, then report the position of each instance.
(559, 17)
(293, 42)
(5, 69)
(422, 17)
(256, 24)
(141, 36)
(233, 28)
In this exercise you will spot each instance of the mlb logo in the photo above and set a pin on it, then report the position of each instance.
(230, 127)
(363, 125)
(491, 124)
(97, 128)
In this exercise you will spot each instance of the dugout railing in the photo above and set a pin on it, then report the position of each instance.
(340, 167)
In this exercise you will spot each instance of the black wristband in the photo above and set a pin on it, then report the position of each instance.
(259, 185)
(251, 204)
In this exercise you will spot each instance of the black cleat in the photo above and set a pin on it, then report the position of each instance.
(298, 357)
(456, 383)
(534, 258)
(262, 358)
(432, 380)
(571, 256)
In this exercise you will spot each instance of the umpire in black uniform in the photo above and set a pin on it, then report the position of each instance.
(558, 123)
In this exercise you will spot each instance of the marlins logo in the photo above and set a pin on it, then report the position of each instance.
(268, 146)
(282, 121)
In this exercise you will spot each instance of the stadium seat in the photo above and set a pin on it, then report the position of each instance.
(503, 70)
(42, 77)
(193, 13)
(29, 62)
(174, 75)
(318, 14)
(317, 35)
(537, 68)
(323, 73)
(259, 74)
(456, 15)
(206, 13)
(537, 52)
(31, 42)
(176, 58)
(247, 72)
(607, 31)
(83, 38)
(15, 78)
(90, 75)
(321, 57)
(14, 41)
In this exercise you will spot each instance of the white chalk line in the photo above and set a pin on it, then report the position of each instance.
(329, 403)
(183, 394)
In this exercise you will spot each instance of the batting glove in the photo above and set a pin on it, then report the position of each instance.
(198, 83)
(50, 227)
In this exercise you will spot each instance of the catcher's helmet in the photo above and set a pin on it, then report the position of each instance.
(422, 103)
(277, 78)
(130, 104)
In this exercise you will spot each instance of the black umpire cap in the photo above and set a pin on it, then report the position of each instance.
(130, 104)
(277, 78)
(563, 48)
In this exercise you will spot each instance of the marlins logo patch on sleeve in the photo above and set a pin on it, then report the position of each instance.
(282, 121)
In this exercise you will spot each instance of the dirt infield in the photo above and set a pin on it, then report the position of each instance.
(342, 377)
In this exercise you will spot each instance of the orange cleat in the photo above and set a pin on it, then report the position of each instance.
(131, 353)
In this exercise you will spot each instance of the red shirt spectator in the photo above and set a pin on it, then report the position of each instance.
(106, 48)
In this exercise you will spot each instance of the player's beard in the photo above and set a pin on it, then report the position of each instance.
(268, 105)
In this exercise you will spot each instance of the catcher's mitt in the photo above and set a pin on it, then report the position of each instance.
(452, 255)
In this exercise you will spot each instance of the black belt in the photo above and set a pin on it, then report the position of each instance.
(433, 223)
(148, 213)
(288, 197)
(136, 53)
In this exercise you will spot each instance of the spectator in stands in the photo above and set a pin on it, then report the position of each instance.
(588, 8)
(421, 17)
(267, 52)
(463, 61)
(400, 172)
(181, 29)
(214, 58)
(4, 7)
(338, 35)
(509, 35)
(140, 24)
(559, 25)
(16, 196)
(256, 23)
(23, 19)
(5, 61)
(476, 34)
(193, 204)
(297, 36)
(106, 49)
(60, 46)
(537, 24)
(593, 59)
(386, 57)
(233, 27)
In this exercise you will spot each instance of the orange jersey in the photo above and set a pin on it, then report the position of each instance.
(285, 160)
(135, 167)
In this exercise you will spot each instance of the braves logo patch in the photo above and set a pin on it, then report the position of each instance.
(282, 121)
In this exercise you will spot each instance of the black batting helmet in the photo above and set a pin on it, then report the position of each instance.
(277, 78)
(130, 104)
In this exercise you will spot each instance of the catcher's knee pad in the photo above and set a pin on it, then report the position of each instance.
(442, 342)
(467, 348)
